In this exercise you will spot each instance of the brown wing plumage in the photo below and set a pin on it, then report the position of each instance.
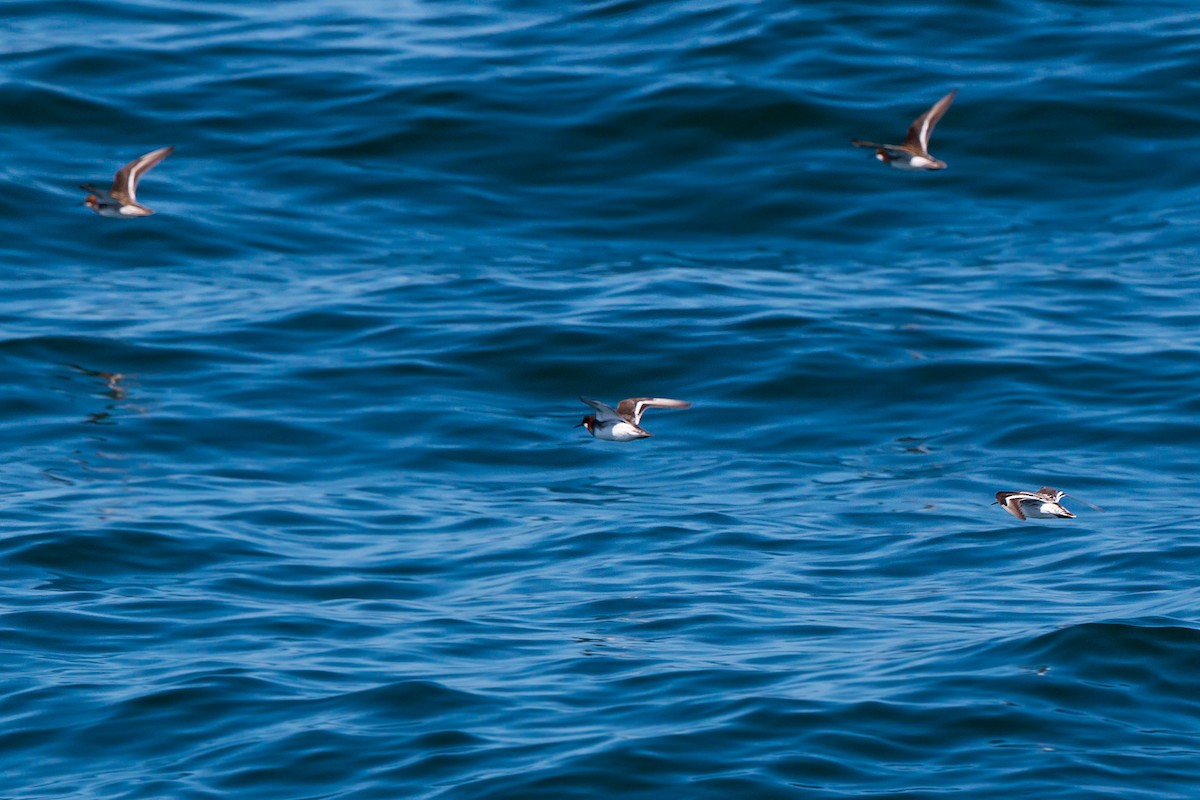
(125, 182)
(1011, 502)
(632, 408)
(922, 127)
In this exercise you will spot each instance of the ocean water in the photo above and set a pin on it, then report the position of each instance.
(294, 507)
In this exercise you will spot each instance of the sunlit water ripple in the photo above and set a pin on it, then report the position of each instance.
(295, 505)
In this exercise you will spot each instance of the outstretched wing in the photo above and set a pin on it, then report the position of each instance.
(603, 413)
(125, 182)
(1011, 501)
(922, 126)
(633, 407)
(1053, 495)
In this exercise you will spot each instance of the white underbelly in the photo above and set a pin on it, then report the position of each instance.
(1041, 511)
(621, 432)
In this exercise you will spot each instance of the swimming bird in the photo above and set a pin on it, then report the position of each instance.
(623, 424)
(914, 153)
(121, 199)
(1042, 504)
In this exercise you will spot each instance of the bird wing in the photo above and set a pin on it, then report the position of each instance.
(603, 413)
(1011, 501)
(1053, 495)
(1085, 502)
(1061, 511)
(633, 407)
(125, 182)
(922, 126)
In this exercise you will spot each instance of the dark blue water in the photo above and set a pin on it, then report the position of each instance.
(294, 506)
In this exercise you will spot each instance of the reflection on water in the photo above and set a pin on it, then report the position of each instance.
(116, 389)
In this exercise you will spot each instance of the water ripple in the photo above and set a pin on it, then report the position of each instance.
(295, 505)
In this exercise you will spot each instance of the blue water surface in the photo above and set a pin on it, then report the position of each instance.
(295, 508)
